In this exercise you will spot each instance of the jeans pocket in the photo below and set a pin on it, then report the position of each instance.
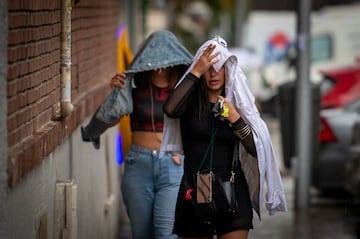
(174, 170)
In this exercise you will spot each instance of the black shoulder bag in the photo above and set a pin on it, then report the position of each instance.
(213, 196)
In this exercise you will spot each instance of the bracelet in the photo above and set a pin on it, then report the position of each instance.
(243, 132)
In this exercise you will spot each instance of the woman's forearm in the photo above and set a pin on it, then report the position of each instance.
(174, 106)
(244, 133)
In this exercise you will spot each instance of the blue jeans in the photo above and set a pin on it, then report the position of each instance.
(149, 188)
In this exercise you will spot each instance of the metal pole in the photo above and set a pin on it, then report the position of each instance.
(239, 21)
(303, 107)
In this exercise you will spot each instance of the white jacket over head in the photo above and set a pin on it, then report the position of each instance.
(258, 170)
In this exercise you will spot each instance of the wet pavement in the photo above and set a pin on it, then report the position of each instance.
(327, 217)
(331, 216)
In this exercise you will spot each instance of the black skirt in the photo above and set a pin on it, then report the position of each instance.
(187, 225)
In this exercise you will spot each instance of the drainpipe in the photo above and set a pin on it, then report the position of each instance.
(66, 106)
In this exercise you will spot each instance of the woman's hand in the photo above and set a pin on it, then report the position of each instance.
(229, 111)
(205, 61)
(118, 81)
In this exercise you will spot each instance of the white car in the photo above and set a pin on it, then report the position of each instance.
(336, 138)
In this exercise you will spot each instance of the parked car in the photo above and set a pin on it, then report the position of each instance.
(336, 137)
(352, 166)
(340, 86)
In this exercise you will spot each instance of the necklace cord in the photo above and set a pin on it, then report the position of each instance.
(152, 113)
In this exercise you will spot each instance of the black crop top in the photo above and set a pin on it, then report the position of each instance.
(141, 118)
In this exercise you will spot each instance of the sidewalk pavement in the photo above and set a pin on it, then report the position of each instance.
(327, 217)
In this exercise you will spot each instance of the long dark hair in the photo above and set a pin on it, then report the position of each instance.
(201, 100)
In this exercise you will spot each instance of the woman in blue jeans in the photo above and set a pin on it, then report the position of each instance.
(150, 184)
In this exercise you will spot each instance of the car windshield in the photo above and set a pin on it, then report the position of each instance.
(354, 105)
(326, 85)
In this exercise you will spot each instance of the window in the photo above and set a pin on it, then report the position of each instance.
(321, 48)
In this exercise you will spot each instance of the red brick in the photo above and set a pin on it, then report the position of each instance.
(34, 74)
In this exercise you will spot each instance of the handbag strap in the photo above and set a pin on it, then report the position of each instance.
(210, 146)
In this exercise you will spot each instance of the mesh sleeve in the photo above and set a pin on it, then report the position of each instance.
(176, 103)
(247, 142)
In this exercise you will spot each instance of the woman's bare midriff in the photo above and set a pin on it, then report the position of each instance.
(148, 140)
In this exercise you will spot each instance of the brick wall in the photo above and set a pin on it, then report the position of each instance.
(33, 85)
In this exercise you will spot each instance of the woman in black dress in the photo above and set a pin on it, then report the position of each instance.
(192, 102)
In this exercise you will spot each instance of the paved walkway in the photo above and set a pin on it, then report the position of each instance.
(326, 218)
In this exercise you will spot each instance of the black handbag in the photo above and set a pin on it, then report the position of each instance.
(213, 196)
(223, 201)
